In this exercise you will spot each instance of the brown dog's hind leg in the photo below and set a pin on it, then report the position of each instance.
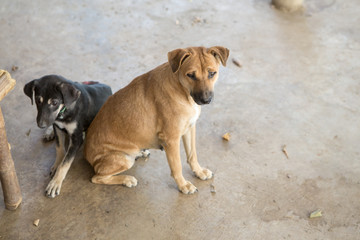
(108, 168)
(125, 180)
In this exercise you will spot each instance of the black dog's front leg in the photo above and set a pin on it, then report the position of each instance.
(61, 137)
(53, 188)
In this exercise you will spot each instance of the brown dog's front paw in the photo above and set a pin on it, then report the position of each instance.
(204, 174)
(188, 188)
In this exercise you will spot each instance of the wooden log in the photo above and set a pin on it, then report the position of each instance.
(8, 178)
(288, 5)
(6, 83)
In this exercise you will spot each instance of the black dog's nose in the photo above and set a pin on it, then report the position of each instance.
(41, 124)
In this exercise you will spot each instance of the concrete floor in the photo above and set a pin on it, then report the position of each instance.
(298, 86)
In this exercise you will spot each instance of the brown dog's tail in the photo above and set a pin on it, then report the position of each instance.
(90, 82)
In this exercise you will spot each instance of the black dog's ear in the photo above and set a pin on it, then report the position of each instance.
(29, 89)
(69, 92)
(176, 58)
(220, 53)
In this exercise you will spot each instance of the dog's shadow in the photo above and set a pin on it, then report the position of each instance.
(80, 168)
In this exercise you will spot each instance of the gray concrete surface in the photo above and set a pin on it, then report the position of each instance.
(298, 86)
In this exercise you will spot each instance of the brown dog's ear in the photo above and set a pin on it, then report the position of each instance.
(29, 89)
(69, 92)
(176, 58)
(220, 53)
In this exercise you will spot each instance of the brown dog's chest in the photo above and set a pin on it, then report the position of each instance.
(196, 113)
(176, 121)
(189, 118)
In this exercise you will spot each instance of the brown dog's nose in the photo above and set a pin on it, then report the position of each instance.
(203, 97)
(207, 97)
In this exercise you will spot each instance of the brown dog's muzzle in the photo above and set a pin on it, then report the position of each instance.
(204, 97)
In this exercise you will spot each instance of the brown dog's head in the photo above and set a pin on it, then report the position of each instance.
(197, 70)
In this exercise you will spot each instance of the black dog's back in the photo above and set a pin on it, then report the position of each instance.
(94, 96)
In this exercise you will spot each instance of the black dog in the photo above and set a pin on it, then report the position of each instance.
(70, 107)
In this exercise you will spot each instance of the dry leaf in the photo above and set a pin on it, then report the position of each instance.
(284, 151)
(236, 62)
(36, 222)
(197, 20)
(316, 214)
(226, 136)
(28, 132)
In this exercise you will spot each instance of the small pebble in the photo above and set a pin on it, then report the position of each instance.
(212, 189)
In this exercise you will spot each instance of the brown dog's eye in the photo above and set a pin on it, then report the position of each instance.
(212, 74)
(192, 76)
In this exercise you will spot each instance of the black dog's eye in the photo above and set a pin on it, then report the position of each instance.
(54, 102)
(38, 99)
(212, 74)
(192, 76)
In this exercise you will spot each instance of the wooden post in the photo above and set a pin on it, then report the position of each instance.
(8, 178)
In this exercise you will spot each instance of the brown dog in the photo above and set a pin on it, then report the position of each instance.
(155, 110)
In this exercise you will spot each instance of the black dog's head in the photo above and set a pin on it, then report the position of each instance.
(53, 94)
